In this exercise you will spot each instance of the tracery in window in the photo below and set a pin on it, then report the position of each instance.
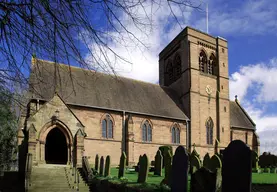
(175, 135)
(178, 67)
(107, 127)
(169, 70)
(146, 131)
(212, 65)
(209, 131)
(202, 61)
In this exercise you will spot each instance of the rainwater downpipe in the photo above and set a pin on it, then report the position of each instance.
(124, 133)
(188, 135)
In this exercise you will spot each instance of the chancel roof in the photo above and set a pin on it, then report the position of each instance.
(239, 117)
(78, 86)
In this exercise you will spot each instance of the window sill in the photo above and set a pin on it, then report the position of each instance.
(146, 141)
(208, 75)
(105, 138)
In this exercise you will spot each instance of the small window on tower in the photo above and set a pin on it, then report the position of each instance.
(223, 50)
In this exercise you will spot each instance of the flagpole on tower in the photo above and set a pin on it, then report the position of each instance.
(207, 17)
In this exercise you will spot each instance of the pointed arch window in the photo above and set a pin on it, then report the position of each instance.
(202, 61)
(169, 70)
(212, 65)
(146, 131)
(209, 131)
(175, 135)
(107, 127)
(178, 67)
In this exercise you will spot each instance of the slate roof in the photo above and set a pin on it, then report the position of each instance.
(239, 117)
(94, 89)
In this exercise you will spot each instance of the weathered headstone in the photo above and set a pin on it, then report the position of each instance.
(206, 161)
(167, 168)
(144, 169)
(96, 166)
(158, 163)
(203, 180)
(122, 165)
(236, 168)
(101, 171)
(255, 159)
(107, 166)
(179, 180)
(194, 161)
(215, 163)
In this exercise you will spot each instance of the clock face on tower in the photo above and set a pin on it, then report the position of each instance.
(209, 89)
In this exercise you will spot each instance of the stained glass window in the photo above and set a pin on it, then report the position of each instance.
(175, 134)
(146, 131)
(107, 127)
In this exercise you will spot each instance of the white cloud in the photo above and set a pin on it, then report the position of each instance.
(262, 77)
(140, 56)
(256, 99)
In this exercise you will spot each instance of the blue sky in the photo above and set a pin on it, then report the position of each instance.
(250, 27)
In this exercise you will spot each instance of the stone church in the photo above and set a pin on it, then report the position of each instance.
(74, 112)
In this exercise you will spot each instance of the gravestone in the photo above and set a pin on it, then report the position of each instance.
(96, 166)
(255, 159)
(194, 161)
(107, 166)
(122, 165)
(158, 163)
(206, 161)
(179, 180)
(236, 168)
(203, 180)
(215, 163)
(167, 168)
(144, 169)
(101, 171)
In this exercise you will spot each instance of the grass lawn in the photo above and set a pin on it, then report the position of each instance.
(264, 178)
(257, 178)
(133, 176)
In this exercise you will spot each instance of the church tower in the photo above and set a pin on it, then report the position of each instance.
(195, 65)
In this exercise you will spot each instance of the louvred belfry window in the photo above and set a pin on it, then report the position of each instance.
(178, 67)
(212, 65)
(107, 127)
(202, 61)
(169, 70)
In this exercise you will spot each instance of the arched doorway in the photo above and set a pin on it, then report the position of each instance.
(56, 151)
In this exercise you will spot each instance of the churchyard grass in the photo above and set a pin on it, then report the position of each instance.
(257, 178)
(133, 176)
(264, 178)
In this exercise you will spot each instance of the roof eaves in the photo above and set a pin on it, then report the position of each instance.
(240, 127)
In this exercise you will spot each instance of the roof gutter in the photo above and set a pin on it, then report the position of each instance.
(188, 137)
(121, 110)
(132, 112)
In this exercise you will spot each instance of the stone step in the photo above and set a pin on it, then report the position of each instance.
(54, 178)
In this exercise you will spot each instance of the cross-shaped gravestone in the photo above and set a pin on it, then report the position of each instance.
(179, 181)
(236, 168)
